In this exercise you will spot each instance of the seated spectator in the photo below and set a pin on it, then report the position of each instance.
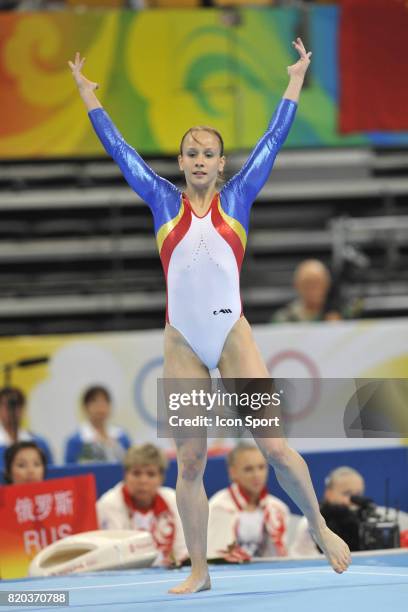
(24, 462)
(141, 502)
(96, 440)
(244, 519)
(339, 512)
(12, 408)
(312, 283)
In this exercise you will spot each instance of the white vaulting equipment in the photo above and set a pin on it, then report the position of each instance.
(93, 551)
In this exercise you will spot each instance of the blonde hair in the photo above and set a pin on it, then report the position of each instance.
(203, 128)
(241, 447)
(145, 454)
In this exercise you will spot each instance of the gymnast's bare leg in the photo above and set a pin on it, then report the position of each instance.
(242, 359)
(181, 362)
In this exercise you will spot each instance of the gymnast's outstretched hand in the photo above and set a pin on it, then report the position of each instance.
(82, 82)
(299, 69)
(85, 86)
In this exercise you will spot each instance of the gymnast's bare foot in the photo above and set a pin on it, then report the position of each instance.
(333, 547)
(193, 584)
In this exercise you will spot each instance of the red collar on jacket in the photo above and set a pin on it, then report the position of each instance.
(157, 507)
(241, 498)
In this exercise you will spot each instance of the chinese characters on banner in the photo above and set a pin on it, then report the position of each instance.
(34, 515)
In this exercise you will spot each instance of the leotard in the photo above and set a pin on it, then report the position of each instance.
(201, 256)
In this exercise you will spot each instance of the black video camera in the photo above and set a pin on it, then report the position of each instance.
(362, 528)
(375, 532)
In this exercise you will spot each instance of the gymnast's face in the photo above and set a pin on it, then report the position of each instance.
(143, 482)
(343, 488)
(250, 471)
(201, 161)
(27, 466)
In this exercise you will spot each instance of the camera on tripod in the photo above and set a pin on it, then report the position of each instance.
(375, 532)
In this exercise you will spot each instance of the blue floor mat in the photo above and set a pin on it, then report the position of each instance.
(378, 581)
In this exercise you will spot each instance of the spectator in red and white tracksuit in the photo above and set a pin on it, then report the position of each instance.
(141, 503)
(245, 520)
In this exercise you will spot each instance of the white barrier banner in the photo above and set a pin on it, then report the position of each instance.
(128, 364)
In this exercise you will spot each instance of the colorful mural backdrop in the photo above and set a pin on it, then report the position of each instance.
(159, 72)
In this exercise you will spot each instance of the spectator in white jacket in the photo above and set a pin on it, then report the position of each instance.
(141, 502)
(245, 521)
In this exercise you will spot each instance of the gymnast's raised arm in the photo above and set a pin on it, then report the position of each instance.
(248, 182)
(152, 188)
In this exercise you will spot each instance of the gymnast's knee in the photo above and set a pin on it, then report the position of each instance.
(191, 465)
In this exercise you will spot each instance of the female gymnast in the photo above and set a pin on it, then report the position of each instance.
(201, 236)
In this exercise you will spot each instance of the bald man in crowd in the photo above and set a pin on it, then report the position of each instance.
(312, 282)
(339, 510)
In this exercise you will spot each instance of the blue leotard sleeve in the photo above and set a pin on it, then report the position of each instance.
(161, 195)
(241, 190)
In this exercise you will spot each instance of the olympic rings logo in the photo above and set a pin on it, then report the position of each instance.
(314, 376)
